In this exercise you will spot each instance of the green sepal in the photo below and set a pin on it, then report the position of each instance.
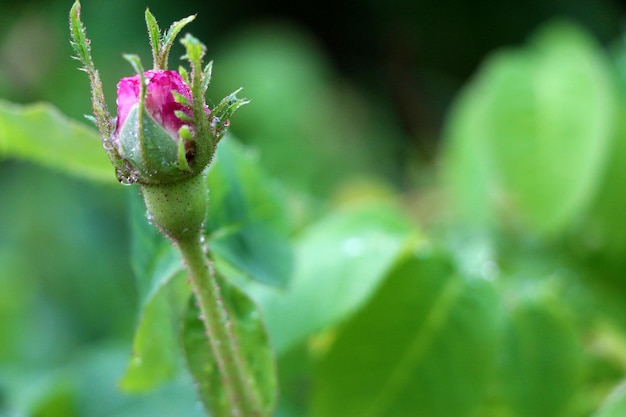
(170, 35)
(183, 116)
(184, 74)
(185, 133)
(205, 141)
(162, 43)
(79, 40)
(181, 99)
(103, 119)
(151, 149)
(195, 50)
(206, 80)
(182, 156)
(222, 113)
(154, 34)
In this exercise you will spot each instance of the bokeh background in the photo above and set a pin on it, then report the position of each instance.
(342, 91)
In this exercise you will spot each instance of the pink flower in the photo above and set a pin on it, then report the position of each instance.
(160, 103)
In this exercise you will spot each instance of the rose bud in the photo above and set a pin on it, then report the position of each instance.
(158, 141)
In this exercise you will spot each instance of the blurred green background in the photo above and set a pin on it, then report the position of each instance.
(343, 93)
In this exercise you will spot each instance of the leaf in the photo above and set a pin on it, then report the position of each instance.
(542, 363)
(467, 163)
(246, 224)
(258, 251)
(615, 404)
(163, 292)
(543, 118)
(96, 371)
(310, 134)
(423, 346)
(605, 217)
(40, 133)
(340, 261)
(253, 344)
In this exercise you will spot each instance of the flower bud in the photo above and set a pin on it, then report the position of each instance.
(149, 135)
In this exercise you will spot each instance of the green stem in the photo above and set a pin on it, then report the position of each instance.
(219, 329)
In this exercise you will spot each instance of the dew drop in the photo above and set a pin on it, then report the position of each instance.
(108, 145)
(123, 178)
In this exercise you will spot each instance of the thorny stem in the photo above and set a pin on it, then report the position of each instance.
(219, 330)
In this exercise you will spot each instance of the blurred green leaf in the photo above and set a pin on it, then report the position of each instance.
(253, 344)
(604, 229)
(163, 292)
(467, 169)
(340, 260)
(295, 369)
(156, 354)
(260, 252)
(542, 118)
(424, 346)
(41, 134)
(303, 126)
(615, 404)
(59, 402)
(41, 394)
(542, 362)
(96, 374)
(247, 224)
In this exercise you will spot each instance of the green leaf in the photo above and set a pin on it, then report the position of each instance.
(604, 228)
(253, 344)
(543, 118)
(163, 293)
(542, 363)
(310, 135)
(39, 133)
(615, 404)
(96, 371)
(339, 262)
(246, 224)
(256, 250)
(467, 163)
(424, 346)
